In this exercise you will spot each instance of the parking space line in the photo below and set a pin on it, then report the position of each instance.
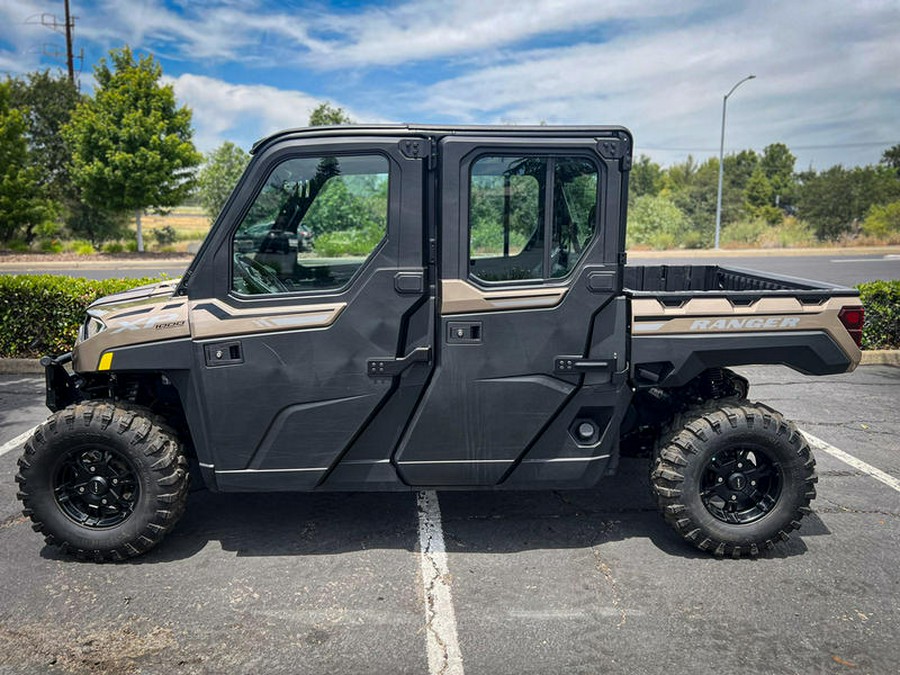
(17, 441)
(444, 656)
(847, 458)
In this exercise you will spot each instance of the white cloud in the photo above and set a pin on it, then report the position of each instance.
(406, 33)
(243, 113)
(827, 70)
(416, 31)
(27, 37)
(823, 77)
(214, 31)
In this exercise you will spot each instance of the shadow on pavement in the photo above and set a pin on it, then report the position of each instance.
(493, 522)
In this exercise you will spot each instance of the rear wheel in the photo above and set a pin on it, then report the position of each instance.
(103, 481)
(733, 478)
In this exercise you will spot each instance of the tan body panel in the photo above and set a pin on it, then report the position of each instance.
(205, 324)
(167, 320)
(461, 297)
(704, 316)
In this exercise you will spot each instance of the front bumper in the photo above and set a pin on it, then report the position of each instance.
(61, 389)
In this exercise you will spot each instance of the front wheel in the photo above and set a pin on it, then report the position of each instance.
(733, 478)
(103, 481)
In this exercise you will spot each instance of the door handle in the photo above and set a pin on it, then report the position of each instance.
(391, 367)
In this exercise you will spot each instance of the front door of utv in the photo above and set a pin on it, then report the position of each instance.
(311, 356)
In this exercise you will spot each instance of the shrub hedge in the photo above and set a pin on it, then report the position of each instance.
(882, 302)
(40, 314)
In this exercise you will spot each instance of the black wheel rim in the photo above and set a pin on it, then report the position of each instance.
(96, 487)
(741, 484)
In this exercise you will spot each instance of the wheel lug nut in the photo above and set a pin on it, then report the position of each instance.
(740, 466)
(733, 497)
(721, 479)
(93, 469)
(115, 481)
(752, 482)
(102, 501)
(81, 489)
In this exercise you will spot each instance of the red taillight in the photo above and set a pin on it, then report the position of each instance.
(853, 319)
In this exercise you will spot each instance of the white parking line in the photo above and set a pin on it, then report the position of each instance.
(29, 380)
(17, 441)
(444, 656)
(847, 458)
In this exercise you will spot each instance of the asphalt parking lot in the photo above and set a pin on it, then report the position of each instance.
(586, 581)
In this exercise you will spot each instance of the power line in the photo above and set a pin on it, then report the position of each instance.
(66, 28)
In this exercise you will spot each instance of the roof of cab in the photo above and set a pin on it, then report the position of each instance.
(441, 130)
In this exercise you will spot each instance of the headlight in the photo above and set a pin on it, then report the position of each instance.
(91, 326)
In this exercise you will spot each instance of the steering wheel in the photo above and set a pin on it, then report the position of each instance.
(258, 277)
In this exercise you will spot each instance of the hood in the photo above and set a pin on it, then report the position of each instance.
(137, 316)
(133, 297)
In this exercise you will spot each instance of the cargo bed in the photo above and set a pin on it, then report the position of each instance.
(688, 280)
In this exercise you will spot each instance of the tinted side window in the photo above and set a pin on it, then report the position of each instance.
(508, 236)
(574, 212)
(312, 226)
(506, 218)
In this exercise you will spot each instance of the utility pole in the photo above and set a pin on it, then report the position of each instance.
(70, 23)
(52, 22)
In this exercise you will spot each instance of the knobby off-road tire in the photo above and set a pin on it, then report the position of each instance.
(733, 477)
(103, 481)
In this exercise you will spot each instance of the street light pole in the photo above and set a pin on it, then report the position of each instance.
(722, 158)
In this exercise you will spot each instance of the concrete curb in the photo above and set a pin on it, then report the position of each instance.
(876, 357)
(20, 366)
(881, 357)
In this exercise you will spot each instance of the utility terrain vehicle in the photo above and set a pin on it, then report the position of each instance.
(463, 318)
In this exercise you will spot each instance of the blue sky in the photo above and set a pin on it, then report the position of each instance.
(828, 71)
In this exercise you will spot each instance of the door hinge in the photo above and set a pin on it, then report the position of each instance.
(415, 148)
(616, 148)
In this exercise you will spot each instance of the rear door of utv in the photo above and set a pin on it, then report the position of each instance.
(310, 363)
(528, 388)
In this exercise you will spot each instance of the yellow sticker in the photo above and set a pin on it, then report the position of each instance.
(105, 361)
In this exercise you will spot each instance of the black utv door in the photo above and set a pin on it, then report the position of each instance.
(313, 325)
(528, 387)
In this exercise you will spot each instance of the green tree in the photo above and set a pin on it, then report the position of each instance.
(219, 174)
(22, 202)
(96, 224)
(657, 222)
(883, 220)
(680, 176)
(132, 147)
(891, 158)
(326, 114)
(759, 198)
(738, 169)
(646, 178)
(47, 102)
(697, 200)
(777, 164)
(837, 199)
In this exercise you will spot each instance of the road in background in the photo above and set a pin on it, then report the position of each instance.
(847, 270)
